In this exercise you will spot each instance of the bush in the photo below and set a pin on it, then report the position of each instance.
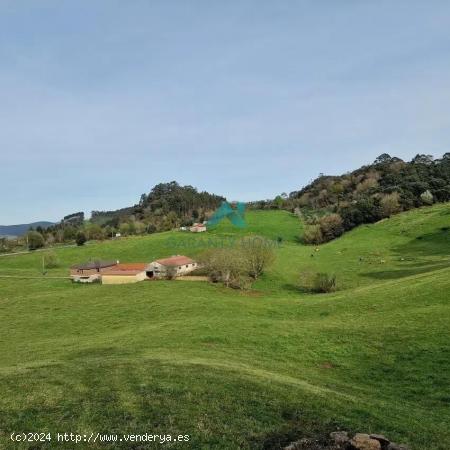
(331, 226)
(258, 254)
(81, 238)
(390, 204)
(325, 229)
(427, 197)
(317, 282)
(312, 235)
(94, 232)
(226, 265)
(324, 282)
(242, 282)
(151, 228)
(51, 260)
(35, 240)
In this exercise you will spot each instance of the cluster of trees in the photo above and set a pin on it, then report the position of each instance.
(166, 206)
(387, 186)
(239, 265)
(75, 218)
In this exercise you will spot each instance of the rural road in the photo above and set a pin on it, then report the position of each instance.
(25, 252)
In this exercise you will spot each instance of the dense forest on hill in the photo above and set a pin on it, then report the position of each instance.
(165, 206)
(334, 204)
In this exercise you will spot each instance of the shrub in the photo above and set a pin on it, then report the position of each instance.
(312, 235)
(81, 238)
(327, 228)
(226, 265)
(151, 228)
(323, 282)
(242, 282)
(331, 226)
(390, 204)
(317, 282)
(124, 228)
(94, 231)
(258, 254)
(427, 197)
(35, 240)
(51, 260)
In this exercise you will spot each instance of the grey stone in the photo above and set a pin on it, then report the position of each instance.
(339, 437)
(383, 440)
(363, 441)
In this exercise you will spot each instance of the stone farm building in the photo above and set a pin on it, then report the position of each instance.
(91, 271)
(180, 265)
(114, 272)
(125, 273)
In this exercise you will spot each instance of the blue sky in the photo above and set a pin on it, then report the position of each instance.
(100, 100)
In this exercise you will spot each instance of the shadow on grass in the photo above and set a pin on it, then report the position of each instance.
(215, 408)
(436, 244)
(430, 244)
(413, 269)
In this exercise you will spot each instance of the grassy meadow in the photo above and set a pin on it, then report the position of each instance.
(233, 369)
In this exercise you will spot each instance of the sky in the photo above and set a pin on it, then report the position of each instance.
(101, 100)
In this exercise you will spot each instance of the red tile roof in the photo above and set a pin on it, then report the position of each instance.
(131, 266)
(178, 260)
(126, 269)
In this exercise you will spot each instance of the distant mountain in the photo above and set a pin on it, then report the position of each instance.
(19, 230)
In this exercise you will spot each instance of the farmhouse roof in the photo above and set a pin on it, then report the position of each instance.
(95, 265)
(178, 260)
(126, 269)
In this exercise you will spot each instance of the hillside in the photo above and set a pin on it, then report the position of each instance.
(418, 182)
(332, 205)
(165, 205)
(19, 230)
(238, 369)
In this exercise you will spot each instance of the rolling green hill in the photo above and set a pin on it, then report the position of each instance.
(237, 369)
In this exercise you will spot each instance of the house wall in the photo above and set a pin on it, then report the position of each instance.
(86, 278)
(197, 229)
(161, 271)
(123, 279)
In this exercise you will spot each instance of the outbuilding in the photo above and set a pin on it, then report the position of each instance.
(124, 273)
(171, 267)
(91, 271)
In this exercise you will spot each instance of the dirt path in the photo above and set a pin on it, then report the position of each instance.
(29, 277)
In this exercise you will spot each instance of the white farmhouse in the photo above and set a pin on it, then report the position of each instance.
(173, 266)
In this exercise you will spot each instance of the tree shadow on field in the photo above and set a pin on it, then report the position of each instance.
(413, 269)
(430, 244)
(412, 256)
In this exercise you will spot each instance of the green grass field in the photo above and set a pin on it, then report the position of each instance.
(236, 369)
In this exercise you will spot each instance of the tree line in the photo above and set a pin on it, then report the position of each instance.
(331, 205)
(165, 207)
